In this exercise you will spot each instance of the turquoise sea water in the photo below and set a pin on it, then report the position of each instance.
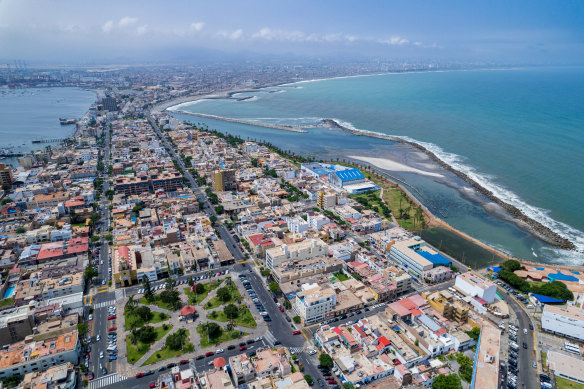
(520, 133)
(27, 114)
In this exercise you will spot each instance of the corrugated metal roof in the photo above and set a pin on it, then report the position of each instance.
(350, 174)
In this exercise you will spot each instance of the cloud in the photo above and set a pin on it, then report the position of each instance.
(107, 26)
(395, 41)
(232, 35)
(127, 21)
(268, 34)
(197, 26)
(142, 30)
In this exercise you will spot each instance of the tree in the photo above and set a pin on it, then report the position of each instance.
(511, 265)
(82, 328)
(144, 313)
(474, 333)
(325, 360)
(296, 319)
(224, 294)
(213, 330)
(90, 273)
(177, 340)
(451, 381)
(308, 379)
(213, 219)
(274, 287)
(20, 230)
(200, 288)
(171, 297)
(146, 334)
(170, 286)
(148, 292)
(348, 385)
(6, 200)
(287, 304)
(231, 311)
(219, 209)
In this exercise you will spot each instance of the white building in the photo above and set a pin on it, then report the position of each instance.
(317, 221)
(314, 303)
(564, 320)
(405, 253)
(297, 224)
(566, 366)
(300, 251)
(475, 286)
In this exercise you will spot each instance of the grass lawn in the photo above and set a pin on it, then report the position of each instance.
(563, 383)
(248, 320)
(341, 276)
(133, 353)
(544, 360)
(194, 299)
(158, 303)
(225, 336)
(129, 321)
(166, 353)
(216, 302)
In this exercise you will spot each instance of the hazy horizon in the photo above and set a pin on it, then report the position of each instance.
(522, 32)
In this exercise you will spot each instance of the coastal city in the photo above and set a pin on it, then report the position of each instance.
(291, 195)
(146, 251)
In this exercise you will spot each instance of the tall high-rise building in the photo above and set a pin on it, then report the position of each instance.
(6, 177)
(224, 180)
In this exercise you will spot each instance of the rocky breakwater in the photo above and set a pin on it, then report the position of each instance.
(272, 126)
(532, 226)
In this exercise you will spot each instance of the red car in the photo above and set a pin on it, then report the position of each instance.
(332, 381)
(183, 362)
(209, 354)
(296, 332)
(242, 348)
(111, 317)
(281, 309)
(90, 376)
(113, 329)
(139, 375)
(153, 384)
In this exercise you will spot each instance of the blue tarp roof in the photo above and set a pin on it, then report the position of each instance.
(561, 277)
(540, 268)
(349, 174)
(575, 272)
(436, 259)
(495, 269)
(546, 300)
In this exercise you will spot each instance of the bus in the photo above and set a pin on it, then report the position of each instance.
(572, 348)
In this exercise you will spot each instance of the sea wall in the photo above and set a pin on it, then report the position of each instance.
(533, 226)
(272, 126)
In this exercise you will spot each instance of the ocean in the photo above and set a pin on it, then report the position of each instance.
(33, 113)
(518, 132)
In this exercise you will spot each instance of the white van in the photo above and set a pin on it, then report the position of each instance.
(525, 331)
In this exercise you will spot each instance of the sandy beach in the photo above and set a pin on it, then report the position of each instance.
(388, 164)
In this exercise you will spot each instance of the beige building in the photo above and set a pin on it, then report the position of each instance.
(290, 271)
(296, 252)
(314, 303)
(224, 180)
(6, 177)
(62, 376)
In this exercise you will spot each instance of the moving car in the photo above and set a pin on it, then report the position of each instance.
(112, 329)
(112, 317)
(209, 353)
(139, 375)
(296, 332)
(242, 348)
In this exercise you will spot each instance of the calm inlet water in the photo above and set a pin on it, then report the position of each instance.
(520, 133)
(27, 114)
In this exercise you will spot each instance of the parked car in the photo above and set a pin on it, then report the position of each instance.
(139, 375)
(112, 317)
(209, 353)
(183, 362)
(242, 348)
(112, 329)
(296, 332)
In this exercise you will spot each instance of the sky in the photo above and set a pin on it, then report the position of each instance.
(76, 32)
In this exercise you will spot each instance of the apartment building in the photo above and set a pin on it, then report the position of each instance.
(300, 251)
(476, 286)
(314, 303)
(16, 324)
(563, 320)
(224, 180)
(405, 253)
(6, 176)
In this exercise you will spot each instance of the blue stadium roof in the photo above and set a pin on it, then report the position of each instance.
(561, 277)
(436, 259)
(349, 174)
(546, 300)
(495, 269)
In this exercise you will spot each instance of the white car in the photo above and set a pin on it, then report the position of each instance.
(90, 317)
(101, 355)
(259, 339)
(219, 351)
(98, 337)
(312, 352)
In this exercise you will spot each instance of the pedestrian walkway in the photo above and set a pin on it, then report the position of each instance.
(120, 293)
(104, 304)
(269, 338)
(106, 380)
(296, 350)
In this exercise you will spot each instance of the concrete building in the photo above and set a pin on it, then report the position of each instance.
(30, 356)
(314, 303)
(438, 274)
(296, 224)
(475, 286)
(6, 177)
(62, 376)
(402, 283)
(16, 324)
(486, 367)
(300, 251)
(405, 253)
(224, 180)
(563, 320)
(566, 366)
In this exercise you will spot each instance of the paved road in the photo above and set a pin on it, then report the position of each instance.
(527, 375)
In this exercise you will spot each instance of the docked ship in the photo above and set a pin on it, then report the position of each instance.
(65, 121)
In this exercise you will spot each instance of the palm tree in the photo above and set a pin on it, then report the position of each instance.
(230, 326)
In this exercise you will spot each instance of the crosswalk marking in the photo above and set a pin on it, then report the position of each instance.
(106, 380)
(120, 293)
(268, 337)
(297, 349)
(104, 304)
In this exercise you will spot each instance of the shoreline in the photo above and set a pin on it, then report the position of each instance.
(530, 225)
(272, 126)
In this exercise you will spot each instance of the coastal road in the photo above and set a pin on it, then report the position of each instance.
(527, 375)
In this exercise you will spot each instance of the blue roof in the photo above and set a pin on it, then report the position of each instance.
(349, 174)
(546, 300)
(575, 272)
(540, 268)
(495, 269)
(561, 277)
(436, 259)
